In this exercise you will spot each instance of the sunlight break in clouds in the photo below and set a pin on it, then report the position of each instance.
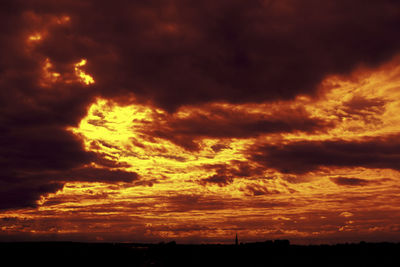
(143, 121)
(218, 183)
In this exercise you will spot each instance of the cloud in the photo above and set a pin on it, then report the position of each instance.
(346, 214)
(22, 193)
(190, 202)
(366, 109)
(227, 51)
(350, 181)
(87, 174)
(305, 156)
(226, 173)
(226, 121)
(218, 179)
(363, 107)
(258, 190)
(347, 181)
(242, 52)
(21, 190)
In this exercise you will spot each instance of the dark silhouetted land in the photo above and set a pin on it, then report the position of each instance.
(269, 253)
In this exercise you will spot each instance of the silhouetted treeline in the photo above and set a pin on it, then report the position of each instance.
(268, 253)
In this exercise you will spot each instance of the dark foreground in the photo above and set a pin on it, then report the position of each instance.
(171, 254)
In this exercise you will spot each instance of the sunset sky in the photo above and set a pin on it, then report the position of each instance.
(149, 121)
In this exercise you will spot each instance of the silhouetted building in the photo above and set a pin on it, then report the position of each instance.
(282, 242)
(236, 240)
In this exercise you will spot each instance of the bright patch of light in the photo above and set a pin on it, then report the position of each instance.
(84, 77)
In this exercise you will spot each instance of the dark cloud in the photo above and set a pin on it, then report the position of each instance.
(359, 105)
(226, 173)
(350, 181)
(239, 51)
(218, 147)
(222, 176)
(183, 53)
(34, 148)
(28, 154)
(87, 174)
(23, 194)
(22, 188)
(363, 108)
(34, 118)
(219, 122)
(304, 156)
(258, 190)
(220, 179)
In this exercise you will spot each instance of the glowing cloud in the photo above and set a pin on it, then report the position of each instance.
(35, 37)
(85, 78)
(49, 76)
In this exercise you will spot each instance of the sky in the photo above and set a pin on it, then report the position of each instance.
(194, 121)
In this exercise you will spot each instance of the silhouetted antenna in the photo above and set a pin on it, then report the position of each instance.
(236, 240)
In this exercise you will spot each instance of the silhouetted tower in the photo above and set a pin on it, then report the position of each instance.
(236, 240)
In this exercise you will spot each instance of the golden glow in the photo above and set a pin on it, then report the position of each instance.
(365, 104)
(120, 132)
(42, 25)
(62, 20)
(117, 132)
(85, 78)
(35, 37)
(49, 76)
(172, 198)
